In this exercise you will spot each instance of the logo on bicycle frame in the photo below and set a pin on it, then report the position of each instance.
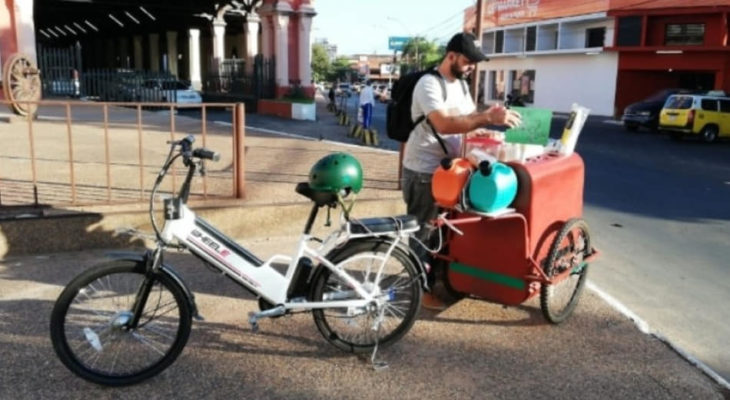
(223, 252)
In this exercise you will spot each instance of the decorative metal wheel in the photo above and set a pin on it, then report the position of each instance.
(21, 83)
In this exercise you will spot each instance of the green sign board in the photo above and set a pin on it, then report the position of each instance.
(535, 128)
(397, 42)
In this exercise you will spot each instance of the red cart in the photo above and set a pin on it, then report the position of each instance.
(542, 247)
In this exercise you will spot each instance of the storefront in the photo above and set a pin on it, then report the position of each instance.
(603, 54)
(665, 45)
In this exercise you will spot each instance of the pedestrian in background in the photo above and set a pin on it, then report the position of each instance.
(367, 100)
(449, 116)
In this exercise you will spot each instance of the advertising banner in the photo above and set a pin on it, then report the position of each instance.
(511, 12)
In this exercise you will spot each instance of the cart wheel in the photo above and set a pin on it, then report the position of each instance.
(565, 264)
(452, 295)
(21, 82)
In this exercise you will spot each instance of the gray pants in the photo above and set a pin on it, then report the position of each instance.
(420, 203)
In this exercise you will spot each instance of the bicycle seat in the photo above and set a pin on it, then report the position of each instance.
(320, 198)
(383, 225)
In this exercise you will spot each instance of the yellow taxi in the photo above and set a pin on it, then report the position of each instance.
(706, 116)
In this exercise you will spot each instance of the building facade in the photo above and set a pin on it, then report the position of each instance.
(602, 54)
(670, 44)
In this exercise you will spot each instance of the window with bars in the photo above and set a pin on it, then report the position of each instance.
(684, 34)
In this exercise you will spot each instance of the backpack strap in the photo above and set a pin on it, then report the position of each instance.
(420, 119)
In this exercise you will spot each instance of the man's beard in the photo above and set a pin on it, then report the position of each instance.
(456, 72)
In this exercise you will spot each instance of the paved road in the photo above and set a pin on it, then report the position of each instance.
(661, 213)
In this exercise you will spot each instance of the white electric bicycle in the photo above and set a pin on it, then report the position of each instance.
(128, 319)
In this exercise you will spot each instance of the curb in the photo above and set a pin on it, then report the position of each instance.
(644, 327)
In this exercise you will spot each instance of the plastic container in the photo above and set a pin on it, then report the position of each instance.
(488, 144)
(449, 180)
(492, 188)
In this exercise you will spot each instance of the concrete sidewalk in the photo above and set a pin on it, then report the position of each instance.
(472, 350)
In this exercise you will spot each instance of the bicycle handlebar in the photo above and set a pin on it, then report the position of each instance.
(205, 154)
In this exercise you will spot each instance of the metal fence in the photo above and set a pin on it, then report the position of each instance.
(88, 153)
(124, 85)
(232, 77)
(60, 69)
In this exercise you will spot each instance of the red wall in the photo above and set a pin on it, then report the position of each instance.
(294, 48)
(643, 73)
(714, 27)
(8, 37)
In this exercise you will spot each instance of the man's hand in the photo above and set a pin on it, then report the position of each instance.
(499, 115)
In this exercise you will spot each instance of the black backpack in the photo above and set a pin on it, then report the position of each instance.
(398, 122)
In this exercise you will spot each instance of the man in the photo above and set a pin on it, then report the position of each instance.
(367, 100)
(451, 119)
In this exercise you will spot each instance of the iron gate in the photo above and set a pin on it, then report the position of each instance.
(60, 70)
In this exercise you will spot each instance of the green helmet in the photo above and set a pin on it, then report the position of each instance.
(336, 172)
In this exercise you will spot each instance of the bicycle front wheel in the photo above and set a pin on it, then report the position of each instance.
(358, 329)
(92, 330)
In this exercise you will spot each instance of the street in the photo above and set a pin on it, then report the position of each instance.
(659, 210)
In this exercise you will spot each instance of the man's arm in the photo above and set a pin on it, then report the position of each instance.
(456, 124)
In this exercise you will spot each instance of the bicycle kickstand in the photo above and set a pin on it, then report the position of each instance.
(254, 317)
(378, 365)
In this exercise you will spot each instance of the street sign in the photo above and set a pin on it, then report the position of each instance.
(397, 42)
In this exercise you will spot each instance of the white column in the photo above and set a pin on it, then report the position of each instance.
(25, 28)
(138, 56)
(154, 52)
(251, 33)
(194, 58)
(281, 33)
(305, 49)
(172, 52)
(219, 35)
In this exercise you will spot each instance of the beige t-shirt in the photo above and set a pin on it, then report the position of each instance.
(423, 153)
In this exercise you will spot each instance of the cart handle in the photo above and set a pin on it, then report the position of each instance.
(443, 221)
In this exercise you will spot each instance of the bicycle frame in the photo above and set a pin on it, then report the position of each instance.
(183, 228)
(260, 277)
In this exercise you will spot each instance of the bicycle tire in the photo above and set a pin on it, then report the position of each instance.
(553, 306)
(401, 281)
(88, 318)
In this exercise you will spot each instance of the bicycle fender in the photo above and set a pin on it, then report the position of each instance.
(401, 246)
(164, 269)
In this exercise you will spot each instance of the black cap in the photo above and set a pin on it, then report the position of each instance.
(465, 43)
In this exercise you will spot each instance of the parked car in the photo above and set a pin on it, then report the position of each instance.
(163, 91)
(344, 89)
(706, 116)
(646, 112)
(61, 81)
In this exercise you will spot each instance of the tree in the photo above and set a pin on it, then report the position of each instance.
(419, 53)
(320, 63)
(340, 70)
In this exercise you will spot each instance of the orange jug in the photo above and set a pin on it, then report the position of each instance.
(449, 180)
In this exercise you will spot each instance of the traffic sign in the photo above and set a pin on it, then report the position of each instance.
(397, 42)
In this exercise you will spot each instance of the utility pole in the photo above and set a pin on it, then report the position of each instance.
(478, 34)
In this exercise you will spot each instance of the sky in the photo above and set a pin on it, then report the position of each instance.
(363, 26)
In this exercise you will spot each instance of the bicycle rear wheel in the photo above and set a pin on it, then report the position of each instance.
(91, 331)
(355, 329)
